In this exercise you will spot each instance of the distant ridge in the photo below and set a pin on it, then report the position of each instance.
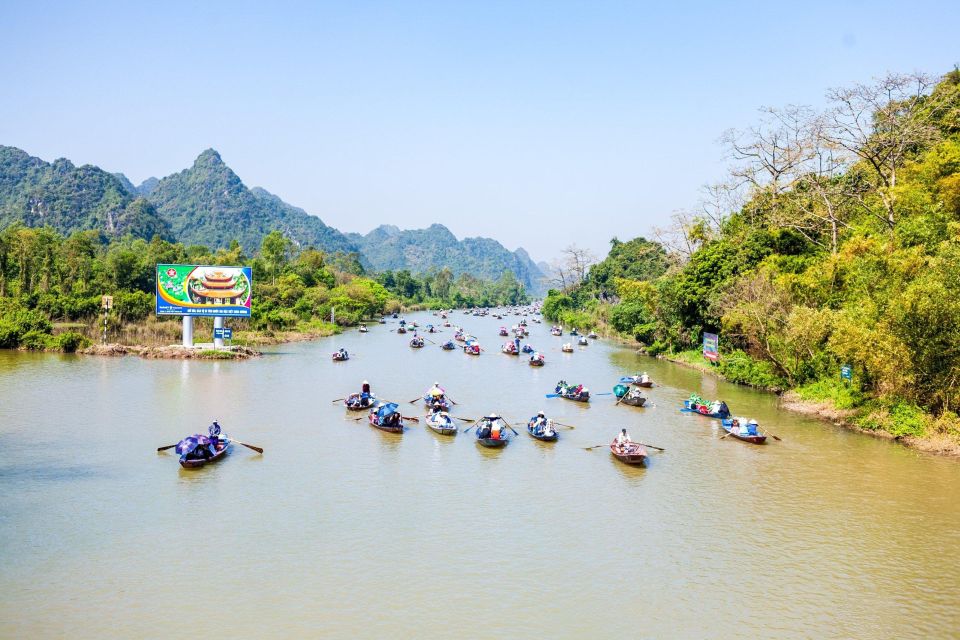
(208, 204)
(433, 248)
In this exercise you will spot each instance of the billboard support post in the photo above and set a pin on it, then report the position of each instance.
(188, 331)
(218, 335)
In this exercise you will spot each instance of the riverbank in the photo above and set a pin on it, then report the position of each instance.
(938, 435)
(171, 352)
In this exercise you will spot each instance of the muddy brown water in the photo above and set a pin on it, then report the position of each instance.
(340, 530)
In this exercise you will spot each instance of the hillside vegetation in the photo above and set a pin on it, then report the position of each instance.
(836, 240)
(50, 282)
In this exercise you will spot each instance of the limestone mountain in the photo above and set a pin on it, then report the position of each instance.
(208, 204)
(433, 248)
(70, 198)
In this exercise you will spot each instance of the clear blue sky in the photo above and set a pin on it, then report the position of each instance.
(536, 123)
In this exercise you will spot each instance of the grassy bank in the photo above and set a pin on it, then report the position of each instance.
(842, 403)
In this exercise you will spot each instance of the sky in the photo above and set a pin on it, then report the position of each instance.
(539, 124)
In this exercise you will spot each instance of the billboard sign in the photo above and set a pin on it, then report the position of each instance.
(846, 372)
(200, 290)
(711, 344)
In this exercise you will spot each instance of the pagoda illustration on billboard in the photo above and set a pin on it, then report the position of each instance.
(216, 287)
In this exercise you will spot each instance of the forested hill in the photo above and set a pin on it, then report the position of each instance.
(70, 198)
(388, 248)
(208, 204)
(843, 249)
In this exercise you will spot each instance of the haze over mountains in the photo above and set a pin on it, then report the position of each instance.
(209, 204)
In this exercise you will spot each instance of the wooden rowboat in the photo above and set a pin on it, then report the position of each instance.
(729, 428)
(629, 453)
(633, 401)
(551, 437)
(687, 408)
(396, 428)
(442, 424)
(221, 450)
(352, 402)
(483, 428)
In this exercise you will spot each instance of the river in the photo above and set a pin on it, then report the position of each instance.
(340, 530)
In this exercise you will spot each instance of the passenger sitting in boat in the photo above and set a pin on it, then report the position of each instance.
(342, 353)
(622, 438)
(484, 431)
(214, 429)
(539, 422)
(752, 427)
(644, 377)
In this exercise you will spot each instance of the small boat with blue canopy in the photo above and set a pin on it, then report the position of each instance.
(198, 450)
(386, 417)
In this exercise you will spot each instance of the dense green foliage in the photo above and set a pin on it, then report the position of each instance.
(422, 251)
(46, 278)
(857, 266)
(440, 289)
(69, 198)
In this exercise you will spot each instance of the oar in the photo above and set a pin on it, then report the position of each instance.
(430, 341)
(605, 393)
(452, 400)
(465, 430)
(411, 418)
(651, 446)
(771, 435)
(415, 400)
(560, 424)
(338, 400)
(248, 446)
(509, 426)
(606, 444)
(553, 395)
(169, 446)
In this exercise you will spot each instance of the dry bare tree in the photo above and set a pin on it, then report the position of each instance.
(576, 261)
(882, 124)
(687, 232)
(769, 153)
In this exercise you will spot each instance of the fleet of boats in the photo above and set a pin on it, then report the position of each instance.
(490, 430)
